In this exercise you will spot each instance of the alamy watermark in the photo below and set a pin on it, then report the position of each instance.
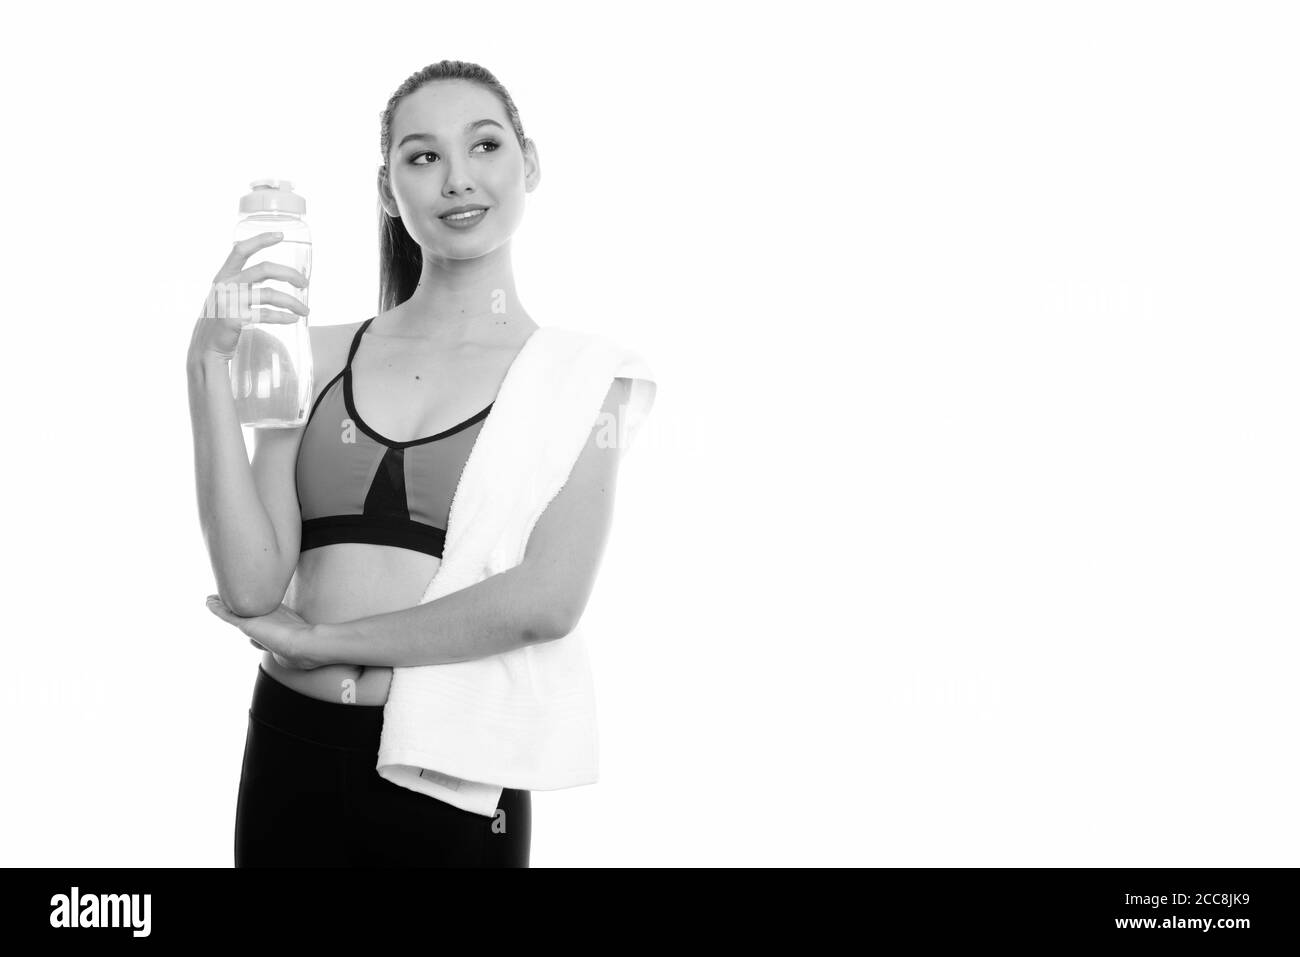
(102, 910)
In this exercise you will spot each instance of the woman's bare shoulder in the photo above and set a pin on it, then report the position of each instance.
(329, 351)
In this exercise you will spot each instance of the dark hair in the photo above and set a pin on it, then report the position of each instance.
(400, 261)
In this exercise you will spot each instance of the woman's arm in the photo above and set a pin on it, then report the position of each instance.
(540, 599)
(251, 569)
(252, 565)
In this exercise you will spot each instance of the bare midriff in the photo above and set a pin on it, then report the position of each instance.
(344, 582)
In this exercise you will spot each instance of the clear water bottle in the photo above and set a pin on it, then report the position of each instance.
(271, 372)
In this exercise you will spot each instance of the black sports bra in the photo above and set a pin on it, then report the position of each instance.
(354, 485)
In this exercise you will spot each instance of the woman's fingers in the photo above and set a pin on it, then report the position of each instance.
(218, 608)
(240, 252)
(238, 297)
(272, 270)
(222, 611)
(261, 295)
(267, 314)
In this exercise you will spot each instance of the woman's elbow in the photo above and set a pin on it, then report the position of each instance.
(249, 602)
(550, 624)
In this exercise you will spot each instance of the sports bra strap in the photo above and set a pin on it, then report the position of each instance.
(356, 339)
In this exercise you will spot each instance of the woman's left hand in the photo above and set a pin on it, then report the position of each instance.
(283, 632)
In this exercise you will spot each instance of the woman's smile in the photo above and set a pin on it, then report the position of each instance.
(466, 220)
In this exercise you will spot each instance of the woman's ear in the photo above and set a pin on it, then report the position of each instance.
(386, 197)
(532, 166)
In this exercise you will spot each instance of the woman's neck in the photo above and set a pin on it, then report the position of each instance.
(462, 300)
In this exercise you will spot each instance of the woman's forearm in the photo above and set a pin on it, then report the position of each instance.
(240, 538)
(502, 612)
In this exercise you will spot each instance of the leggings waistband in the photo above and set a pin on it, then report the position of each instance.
(331, 723)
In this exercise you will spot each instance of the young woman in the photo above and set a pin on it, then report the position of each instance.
(410, 387)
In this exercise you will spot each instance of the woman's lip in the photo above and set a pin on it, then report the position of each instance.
(466, 223)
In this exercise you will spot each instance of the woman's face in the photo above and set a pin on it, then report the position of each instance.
(452, 145)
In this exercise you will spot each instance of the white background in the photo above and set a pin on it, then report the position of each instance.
(963, 531)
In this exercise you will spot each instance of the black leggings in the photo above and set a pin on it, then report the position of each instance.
(309, 796)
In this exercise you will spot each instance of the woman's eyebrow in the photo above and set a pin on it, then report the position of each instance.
(469, 128)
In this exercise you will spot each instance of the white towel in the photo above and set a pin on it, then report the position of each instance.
(526, 718)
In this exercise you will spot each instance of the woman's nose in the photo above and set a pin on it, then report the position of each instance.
(458, 181)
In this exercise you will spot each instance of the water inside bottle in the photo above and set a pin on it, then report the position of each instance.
(269, 388)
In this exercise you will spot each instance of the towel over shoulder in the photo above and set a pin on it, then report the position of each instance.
(523, 719)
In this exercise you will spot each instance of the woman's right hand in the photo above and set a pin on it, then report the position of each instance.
(233, 301)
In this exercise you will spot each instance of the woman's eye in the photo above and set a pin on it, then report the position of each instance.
(492, 143)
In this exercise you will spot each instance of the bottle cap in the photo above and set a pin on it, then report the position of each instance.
(272, 195)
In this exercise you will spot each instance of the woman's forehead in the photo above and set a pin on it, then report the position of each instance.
(443, 108)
